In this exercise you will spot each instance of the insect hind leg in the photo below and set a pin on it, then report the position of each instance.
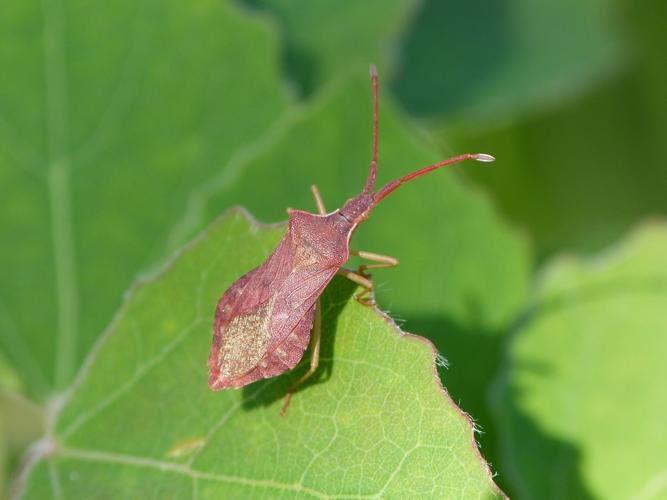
(314, 357)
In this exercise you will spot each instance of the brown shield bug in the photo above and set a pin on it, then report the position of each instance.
(263, 322)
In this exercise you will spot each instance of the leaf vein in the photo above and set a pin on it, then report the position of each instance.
(136, 461)
(140, 372)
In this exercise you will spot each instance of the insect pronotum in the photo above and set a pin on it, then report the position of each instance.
(263, 322)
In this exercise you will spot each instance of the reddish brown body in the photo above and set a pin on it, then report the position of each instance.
(267, 315)
(263, 321)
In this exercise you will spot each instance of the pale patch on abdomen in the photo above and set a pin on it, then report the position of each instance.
(244, 341)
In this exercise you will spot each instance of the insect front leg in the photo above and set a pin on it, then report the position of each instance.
(314, 357)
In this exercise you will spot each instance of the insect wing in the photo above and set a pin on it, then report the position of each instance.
(240, 335)
(244, 347)
(241, 326)
(263, 321)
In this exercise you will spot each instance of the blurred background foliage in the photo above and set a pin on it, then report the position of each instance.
(522, 79)
(570, 96)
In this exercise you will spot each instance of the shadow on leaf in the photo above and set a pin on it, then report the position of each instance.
(266, 392)
(543, 466)
(426, 83)
(474, 356)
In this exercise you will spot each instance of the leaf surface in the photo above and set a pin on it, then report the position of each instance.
(324, 38)
(579, 175)
(479, 61)
(476, 62)
(463, 271)
(110, 116)
(583, 393)
(141, 420)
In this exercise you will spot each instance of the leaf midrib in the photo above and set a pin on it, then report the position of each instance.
(58, 181)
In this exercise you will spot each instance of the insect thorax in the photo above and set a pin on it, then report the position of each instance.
(320, 238)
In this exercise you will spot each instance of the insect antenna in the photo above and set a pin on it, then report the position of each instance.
(372, 171)
(383, 192)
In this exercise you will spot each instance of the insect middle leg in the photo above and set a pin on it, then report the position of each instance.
(379, 259)
(314, 357)
(361, 276)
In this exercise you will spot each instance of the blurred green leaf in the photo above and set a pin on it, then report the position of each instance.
(141, 421)
(9, 379)
(579, 176)
(110, 114)
(587, 371)
(477, 61)
(326, 37)
(21, 423)
(3, 462)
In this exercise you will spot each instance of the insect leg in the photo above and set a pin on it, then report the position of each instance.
(359, 279)
(314, 357)
(356, 277)
(379, 259)
(362, 278)
(318, 200)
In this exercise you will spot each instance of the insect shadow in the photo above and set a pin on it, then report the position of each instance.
(475, 354)
(267, 391)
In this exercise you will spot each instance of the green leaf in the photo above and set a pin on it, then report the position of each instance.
(110, 115)
(141, 421)
(581, 174)
(21, 423)
(463, 273)
(326, 37)
(478, 61)
(582, 401)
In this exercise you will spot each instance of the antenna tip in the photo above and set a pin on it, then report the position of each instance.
(374, 71)
(484, 157)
